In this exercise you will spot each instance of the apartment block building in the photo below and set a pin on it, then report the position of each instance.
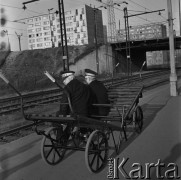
(143, 32)
(44, 31)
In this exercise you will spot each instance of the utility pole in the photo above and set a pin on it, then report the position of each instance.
(63, 35)
(173, 76)
(51, 32)
(95, 36)
(179, 16)
(19, 38)
(128, 55)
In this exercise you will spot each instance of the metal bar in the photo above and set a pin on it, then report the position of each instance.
(145, 13)
(27, 2)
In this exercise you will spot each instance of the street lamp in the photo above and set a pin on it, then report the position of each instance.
(6, 32)
(51, 32)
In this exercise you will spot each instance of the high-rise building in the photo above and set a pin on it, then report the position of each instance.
(44, 30)
(143, 32)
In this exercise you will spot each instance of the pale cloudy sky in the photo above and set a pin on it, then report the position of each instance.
(14, 11)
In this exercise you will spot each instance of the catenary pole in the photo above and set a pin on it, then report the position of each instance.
(173, 76)
(179, 16)
(95, 37)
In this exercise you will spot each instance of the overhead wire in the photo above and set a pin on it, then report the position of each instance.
(130, 14)
(19, 8)
(144, 7)
(15, 28)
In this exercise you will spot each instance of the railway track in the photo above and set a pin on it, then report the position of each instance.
(10, 105)
(148, 80)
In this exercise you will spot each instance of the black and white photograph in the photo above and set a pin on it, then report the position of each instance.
(90, 89)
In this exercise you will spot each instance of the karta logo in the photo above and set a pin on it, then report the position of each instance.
(116, 169)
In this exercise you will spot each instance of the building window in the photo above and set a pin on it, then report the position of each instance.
(55, 39)
(46, 22)
(39, 34)
(76, 12)
(80, 17)
(38, 24)
(38, 29)
(40, 45)
(30, 20)
(45, 17)
(69, 29)
(39, 40)
(47, 39)
(30, 25)
(74, 18)
(46, 28)
(31, 30)
(47, 44)
(31, 40)
(83, 22)
(32, 46)
(38, 19)
(69, 24)
(82, 10)
(46, 33)
(58, 25)
(31, 36)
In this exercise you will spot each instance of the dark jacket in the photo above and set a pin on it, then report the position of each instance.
(100, 92)
(79, 96)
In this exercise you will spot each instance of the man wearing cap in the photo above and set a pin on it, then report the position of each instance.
(99, 90)
(78, 92)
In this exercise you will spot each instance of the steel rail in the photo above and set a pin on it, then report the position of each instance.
(15, 130)
(54, 98)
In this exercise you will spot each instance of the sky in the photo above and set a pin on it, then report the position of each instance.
(12, 10)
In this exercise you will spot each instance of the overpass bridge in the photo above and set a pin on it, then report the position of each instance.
(148, 44)
(138, 49)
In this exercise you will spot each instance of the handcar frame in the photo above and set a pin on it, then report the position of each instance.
(61, 135)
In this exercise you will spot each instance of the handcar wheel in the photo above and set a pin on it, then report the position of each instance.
(96, 151)
(50, 152)
(138, 118)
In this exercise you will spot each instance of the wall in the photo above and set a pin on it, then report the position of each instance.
(89, 61)
(161, 59)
